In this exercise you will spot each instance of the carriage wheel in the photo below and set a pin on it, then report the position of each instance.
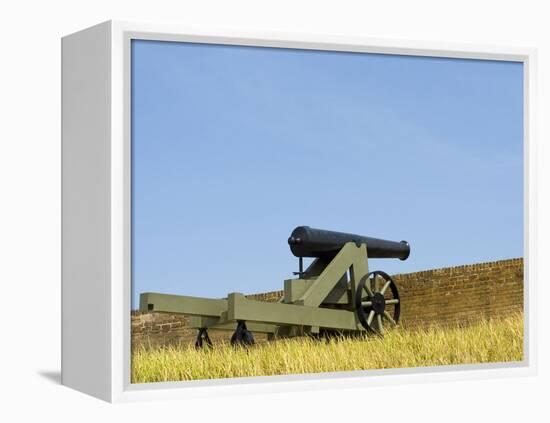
(375, 298)
(242, 336)
(203, 339)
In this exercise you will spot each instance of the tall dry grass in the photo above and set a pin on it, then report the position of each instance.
(487, 341)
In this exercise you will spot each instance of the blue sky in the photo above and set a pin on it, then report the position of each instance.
(235, 146)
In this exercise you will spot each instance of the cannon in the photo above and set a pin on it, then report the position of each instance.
(335, 294)
(309, 242)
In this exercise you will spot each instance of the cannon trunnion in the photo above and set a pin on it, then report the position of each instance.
(335, 294)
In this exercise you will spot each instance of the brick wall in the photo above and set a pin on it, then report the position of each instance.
(450, 296)
(457, 295)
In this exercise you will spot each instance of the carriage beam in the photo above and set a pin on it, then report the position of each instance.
(198, 322)
(241, 308)
(194, 306)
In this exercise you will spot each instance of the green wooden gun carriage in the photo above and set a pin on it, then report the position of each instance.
(335, 294)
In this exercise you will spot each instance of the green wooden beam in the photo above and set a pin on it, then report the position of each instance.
(221, 323)
(350, 255)
(150, 301)
(241, 308)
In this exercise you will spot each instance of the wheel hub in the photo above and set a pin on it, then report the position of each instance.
(378, 303)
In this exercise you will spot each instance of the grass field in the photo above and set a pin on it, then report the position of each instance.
(487, 341)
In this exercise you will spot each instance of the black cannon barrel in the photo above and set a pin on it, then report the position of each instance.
(310, 242)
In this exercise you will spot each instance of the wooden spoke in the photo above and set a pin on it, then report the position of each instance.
(392, 301)
(389, 318)
(385, 287)
(379, 322)
(368, 291)
(376, 284)
(371, 316)
(366, 303)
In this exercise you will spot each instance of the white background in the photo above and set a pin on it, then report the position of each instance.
(30, 206)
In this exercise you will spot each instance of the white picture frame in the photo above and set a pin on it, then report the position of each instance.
(96, 211)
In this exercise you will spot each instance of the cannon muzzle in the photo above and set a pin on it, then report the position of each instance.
(310, 242)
